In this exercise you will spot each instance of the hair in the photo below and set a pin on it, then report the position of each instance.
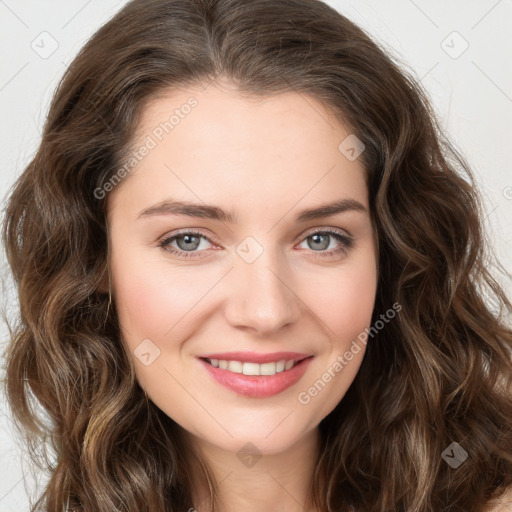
(439, 373)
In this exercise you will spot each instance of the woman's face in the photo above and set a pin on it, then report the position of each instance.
(216, 266)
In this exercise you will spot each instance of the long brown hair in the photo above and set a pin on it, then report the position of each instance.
(439, 373)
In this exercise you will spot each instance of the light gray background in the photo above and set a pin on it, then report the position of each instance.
(472, 93)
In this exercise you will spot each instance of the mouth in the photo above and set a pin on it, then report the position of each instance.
(250, 368)
(257, 379)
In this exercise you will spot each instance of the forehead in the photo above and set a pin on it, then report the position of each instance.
(217, 110)
(215, 143)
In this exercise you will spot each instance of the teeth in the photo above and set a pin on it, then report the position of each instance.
(267, 369)
(252, 368)
(288, 365)
(235, 366)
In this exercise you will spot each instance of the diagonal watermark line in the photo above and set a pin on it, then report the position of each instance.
(285, 490)
(491, 212)
(424, 13)
(18, 482)
(75, 15)
(312, 312)
(216, 486)
(206, 293)
(7, 7)
(301, 198)
(492, 81)
(14, 76)
(421, 79)
(11, 489)
(280, 423)
(199, 403)
(485, 15)
(209, 81)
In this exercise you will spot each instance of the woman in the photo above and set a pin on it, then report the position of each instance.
(251, 274)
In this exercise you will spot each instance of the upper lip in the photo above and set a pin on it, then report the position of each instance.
(255, 357)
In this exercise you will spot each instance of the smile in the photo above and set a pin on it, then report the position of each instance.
(256, 379)
(253, 368)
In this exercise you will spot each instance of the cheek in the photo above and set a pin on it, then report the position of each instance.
(151, 298)
(344, 303)
(345, 299)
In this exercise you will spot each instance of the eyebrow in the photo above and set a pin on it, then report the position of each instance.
(204, 211)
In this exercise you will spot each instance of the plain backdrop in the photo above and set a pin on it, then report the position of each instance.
(458, 48)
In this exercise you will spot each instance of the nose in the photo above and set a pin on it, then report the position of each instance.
(262, 297)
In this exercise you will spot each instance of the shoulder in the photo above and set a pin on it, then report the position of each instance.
(501, 504)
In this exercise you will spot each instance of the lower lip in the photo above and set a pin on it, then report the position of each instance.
(258, 386)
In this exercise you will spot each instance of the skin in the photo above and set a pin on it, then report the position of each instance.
(266, 160)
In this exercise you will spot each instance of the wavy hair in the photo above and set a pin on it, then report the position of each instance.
(439, 373)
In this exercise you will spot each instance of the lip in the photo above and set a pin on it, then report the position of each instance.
(256, 357)
(258, 386)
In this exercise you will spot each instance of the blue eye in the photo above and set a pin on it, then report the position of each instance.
(321, 240)
(188, 243)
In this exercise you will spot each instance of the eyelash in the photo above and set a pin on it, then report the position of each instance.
(345, 240)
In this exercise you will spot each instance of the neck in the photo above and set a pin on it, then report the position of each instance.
(258, 482)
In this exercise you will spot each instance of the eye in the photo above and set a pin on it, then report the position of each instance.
(320, 240)
(187, 243)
